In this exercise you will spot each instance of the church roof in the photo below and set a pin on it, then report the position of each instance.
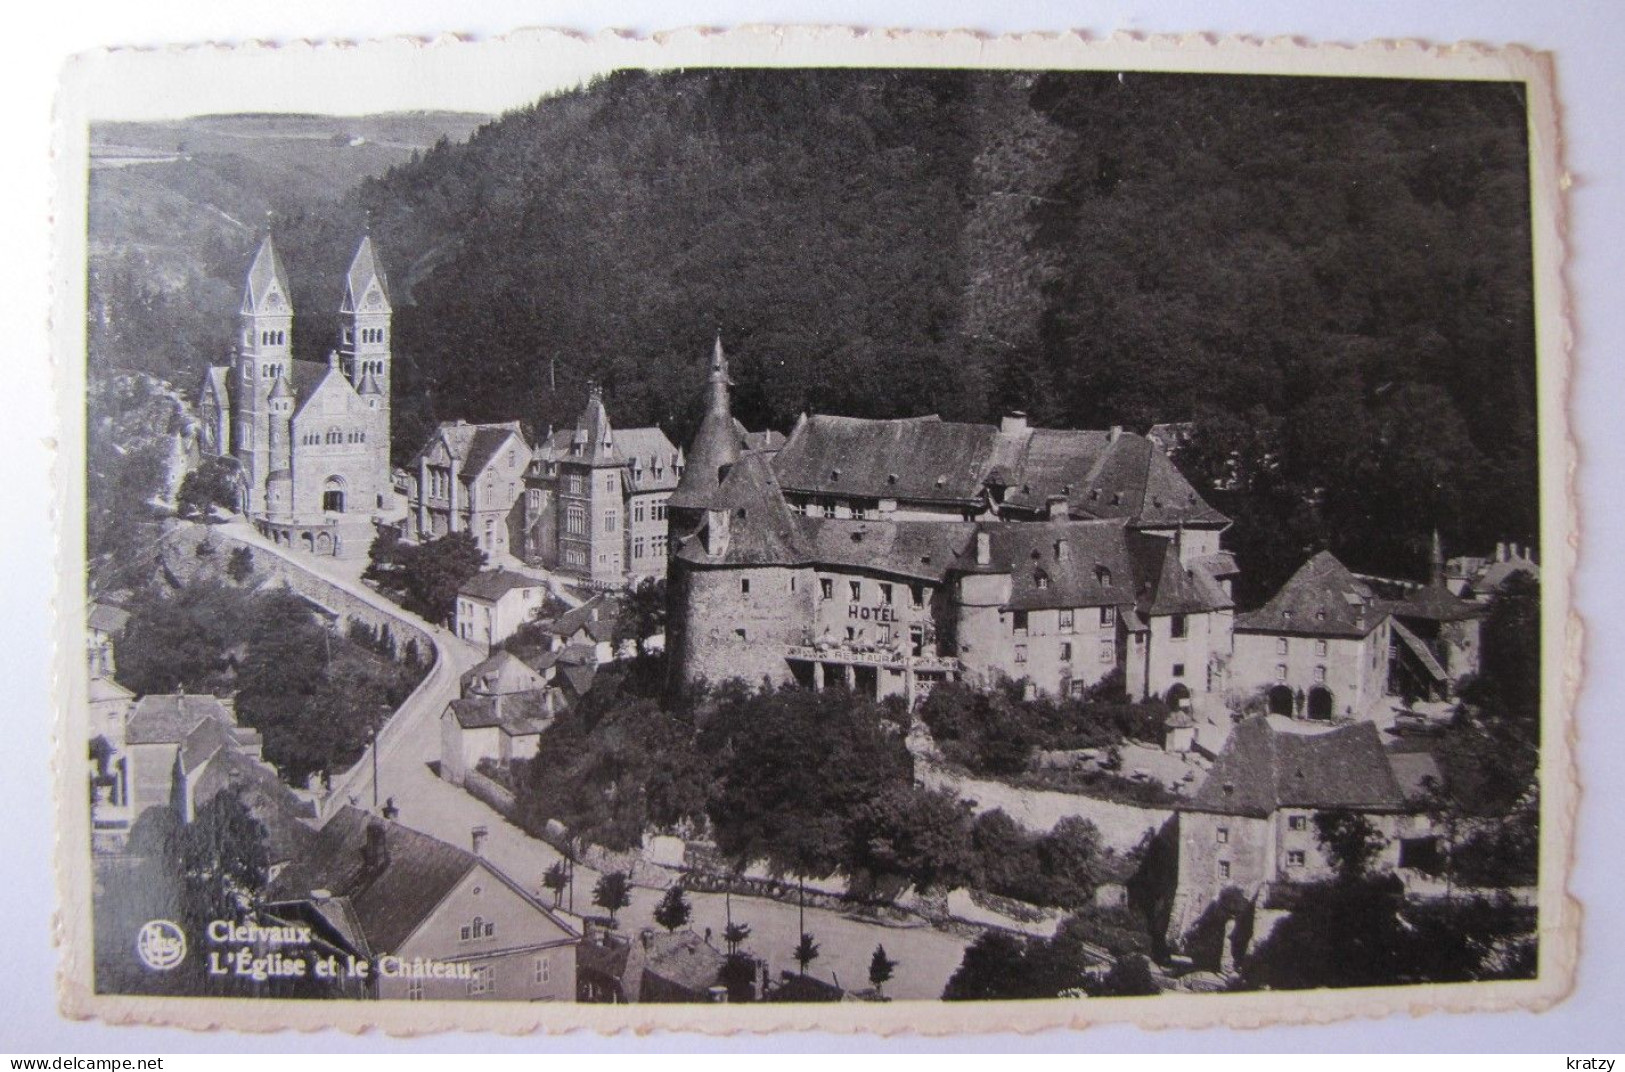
(280, 388)
(1262, 769)
(1322, 599)
(364, 271)
(265, 275)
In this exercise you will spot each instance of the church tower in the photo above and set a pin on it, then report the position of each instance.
(365, 349)
(264, 357)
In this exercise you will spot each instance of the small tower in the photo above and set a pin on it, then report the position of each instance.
(279, 481)
(365, 350)
(715, 447)
(264, 354)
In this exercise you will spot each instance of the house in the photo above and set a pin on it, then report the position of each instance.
(1479, 578)
(1319, 648)
(591, 625)
(494, 603)
(104, 624)
(469, 478)
(181, 750)
(497, 727)
(679, 967)
(1252, 821)
(595, 499)
(437, 922)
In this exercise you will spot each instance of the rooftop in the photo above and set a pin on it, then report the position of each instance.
(1322, 599)
(491, 585)
(1262, 769)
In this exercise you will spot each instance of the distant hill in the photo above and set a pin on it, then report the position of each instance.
(1330, 278)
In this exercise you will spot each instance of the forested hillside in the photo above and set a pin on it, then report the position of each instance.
(1331, 277)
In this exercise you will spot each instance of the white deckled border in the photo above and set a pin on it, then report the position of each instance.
(497, 74)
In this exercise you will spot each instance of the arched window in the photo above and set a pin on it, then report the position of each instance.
(334, 436)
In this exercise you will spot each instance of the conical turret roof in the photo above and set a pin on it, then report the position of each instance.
(715, 445)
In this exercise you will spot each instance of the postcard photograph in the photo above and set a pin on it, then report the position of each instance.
(848, 535)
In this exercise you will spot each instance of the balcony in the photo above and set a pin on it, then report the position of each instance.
(843, 655)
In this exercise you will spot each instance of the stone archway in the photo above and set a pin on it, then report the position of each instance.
(1321, 704)
(307, 541)
(333, 495)
(1179, 696)
(1280, 700)
(324, 544)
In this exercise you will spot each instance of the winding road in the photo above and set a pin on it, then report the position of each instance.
(926, 956)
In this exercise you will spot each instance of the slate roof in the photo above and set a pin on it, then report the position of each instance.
(1322, 599)
(1436, 603)
(927, 459)
(218, 379)
(1423, 654)
(596, 616)
(285, 817)
(516, 713)
(363, 271)
(106, 618)
(389, 902)
(593, 441)
(762, 530)
(502, 673)
(1168, 587)
(491, 585)
(682, 960)
(1262, 769)
(167, 719)
(1065, 563)
(105, 688)
(473, 445)
(646, 451)
(266, 270)
(717, 442)
(1410, 769)
(921, 550)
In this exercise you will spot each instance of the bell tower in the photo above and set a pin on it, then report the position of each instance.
(364, 352)
(264, 356)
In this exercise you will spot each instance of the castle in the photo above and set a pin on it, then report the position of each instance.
(310, 438)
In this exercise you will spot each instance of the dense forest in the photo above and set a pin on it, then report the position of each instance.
(1331, 278)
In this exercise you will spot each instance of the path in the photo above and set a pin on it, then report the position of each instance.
(926, 956)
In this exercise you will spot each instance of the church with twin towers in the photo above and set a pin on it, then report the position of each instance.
(310, 438)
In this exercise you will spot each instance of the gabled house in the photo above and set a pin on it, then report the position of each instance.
(494, 603)
(469, 478)
(437, 922)
(674, 968)
(591, 626)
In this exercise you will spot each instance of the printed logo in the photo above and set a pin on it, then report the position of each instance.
(160, 944)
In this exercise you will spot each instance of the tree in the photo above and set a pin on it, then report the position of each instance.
(213, 483)
(642, 612)
(806, 951)
(735, 935)
(738, 974)
(612, 893)
(240, 567)
(1349, 840)
(433, 572)
(881, 968)
(673, 910)
(1129, 977)
(556, 879)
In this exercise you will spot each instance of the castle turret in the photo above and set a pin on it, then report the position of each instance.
(715, 447)
(264, 353)
(279, 422)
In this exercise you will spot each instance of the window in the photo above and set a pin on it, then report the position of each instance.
(482, 981)
(740, 633)
(637, 512)
(609, 520)
(744, 586)
(826, 588)
(916, 639)
(544, 970)
(1294, 858)
(1224, 868)
(1068, 619)
(479, 928)
(1040, 579)
(1320, 648)
(886, 594)
(658, 510)
(916, 595)
(1018, 622)
(1107, 652)
(1179, 669)
(828, 507)
(575, 520)
(659, 546)
(1223, 835)
(855, 588)
(1320, 675)
(414, 990)
(637, 547)
(609, 481)
(792, 582)
(1066, 652)
(1280, 646)
(1108, 616)
(1297, 822)
(1280, 671)
(1021, 653)
(534, 498)
(1176, 626)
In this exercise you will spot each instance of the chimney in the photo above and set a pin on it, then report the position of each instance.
(1116, 433)
(1501, 551)
(1056, 507)
(390, 810)
(477, 840)
(1013, 423)
(984, 548)
(718, 530)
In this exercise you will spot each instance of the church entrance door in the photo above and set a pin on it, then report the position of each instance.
(333, 496)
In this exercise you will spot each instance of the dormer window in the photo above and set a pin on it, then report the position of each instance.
(1103, 576)
(1040, 580)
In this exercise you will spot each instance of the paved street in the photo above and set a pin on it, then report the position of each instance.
(926, 956)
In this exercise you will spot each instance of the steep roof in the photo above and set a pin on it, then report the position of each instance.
(310, 377)
(106, 618)
(217, 380)
(919, 550)
(716, 444)
(527, 712)
(1322, 599)
(1065, 563)
(593, 441)
(1436, 603)
(681, 959)
(502, 673)
(651, 458)
(918, 458)
(283, 814)
(473, 446)
(167, 719)
(491, 585)
(266, 277)
(364, 272)
(762, 531)
(1262, 769)
(1168, 586)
